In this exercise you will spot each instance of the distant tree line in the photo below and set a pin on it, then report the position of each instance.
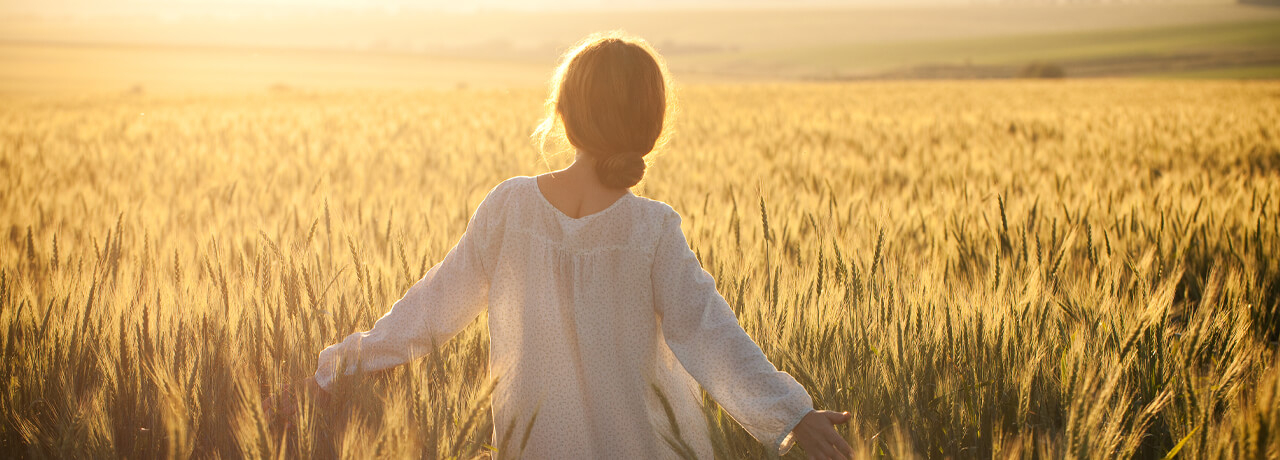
(1042, 70)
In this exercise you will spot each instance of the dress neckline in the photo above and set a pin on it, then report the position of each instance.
(537, 190)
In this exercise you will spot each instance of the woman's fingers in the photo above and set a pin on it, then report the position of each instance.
(837, 418)
(810, 441)
(832, 436)
(817, 434)
(839, 444)
(828, 439)
(830, 450)
(822, 454)
(279, 405)
(271, 407)
(267, 413)
(825, 435)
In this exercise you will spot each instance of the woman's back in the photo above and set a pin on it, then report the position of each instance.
(573, 329)
(577, 193)
(602, 321)
(589, 320)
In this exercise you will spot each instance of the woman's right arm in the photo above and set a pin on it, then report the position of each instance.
(437, 307)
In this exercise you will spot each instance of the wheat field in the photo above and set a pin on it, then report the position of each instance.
(1081, 269)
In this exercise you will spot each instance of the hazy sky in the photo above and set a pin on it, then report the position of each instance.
(177, 45)
(232, 8)
(269, 6)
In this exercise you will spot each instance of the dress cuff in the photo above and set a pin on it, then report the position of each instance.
(326, 368)
(787, 439)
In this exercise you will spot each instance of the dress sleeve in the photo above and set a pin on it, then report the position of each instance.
(436, 307)
(705, 337)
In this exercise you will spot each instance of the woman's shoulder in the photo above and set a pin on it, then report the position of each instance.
(504, 189)
(498, 198)
(648, 209)
(657, 211)
(512, 183)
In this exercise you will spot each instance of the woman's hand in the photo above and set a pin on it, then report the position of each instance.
(285, 403)
(816, 434)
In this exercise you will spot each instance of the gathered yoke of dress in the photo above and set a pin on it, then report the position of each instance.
(589, 319)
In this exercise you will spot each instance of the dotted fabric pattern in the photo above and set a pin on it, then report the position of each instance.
(589, 320)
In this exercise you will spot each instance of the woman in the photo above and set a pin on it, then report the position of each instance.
(598, 309)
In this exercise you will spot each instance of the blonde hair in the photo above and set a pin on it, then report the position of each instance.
(610, 99)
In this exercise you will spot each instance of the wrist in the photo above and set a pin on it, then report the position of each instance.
(788, 439)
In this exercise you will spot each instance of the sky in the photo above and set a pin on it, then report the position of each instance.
(236, 8)
(239, 45)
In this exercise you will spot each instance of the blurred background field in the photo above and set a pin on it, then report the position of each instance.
(198, 197)
(228, 46)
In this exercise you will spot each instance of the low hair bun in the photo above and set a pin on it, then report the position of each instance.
(622, 170)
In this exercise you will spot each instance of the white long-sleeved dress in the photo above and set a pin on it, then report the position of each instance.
(585, 314)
